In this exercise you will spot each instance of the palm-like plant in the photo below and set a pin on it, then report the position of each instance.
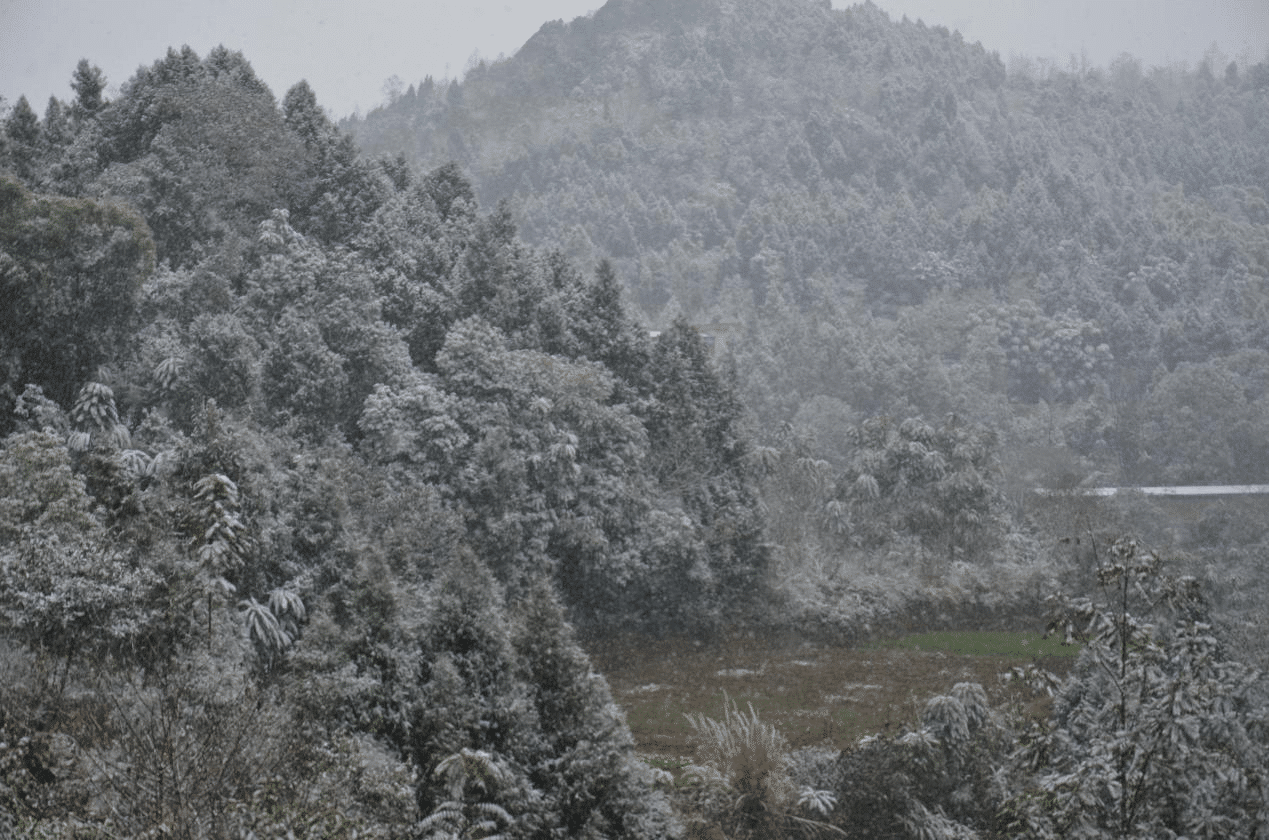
(273, 627)
(96, 420)
(465, 773)
(263, 626)
(168, 373)
(222, 542)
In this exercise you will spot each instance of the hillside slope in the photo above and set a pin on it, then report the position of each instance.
(882, 220)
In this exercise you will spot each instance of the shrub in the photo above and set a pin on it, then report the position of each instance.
(1157, 732)
(750, 758)
(937, 781)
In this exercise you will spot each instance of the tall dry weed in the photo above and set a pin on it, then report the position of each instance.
(744, 753)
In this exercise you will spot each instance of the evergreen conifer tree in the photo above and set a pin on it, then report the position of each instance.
(22, 129)
(88, 83)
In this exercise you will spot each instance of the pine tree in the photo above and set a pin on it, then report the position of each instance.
(451, 191)
(56, 128)
(699, 453)
(468, 696)
(70, 271)
(585, 765)
(607, 334)
(89, 83)
(22, 129)
(305, 118)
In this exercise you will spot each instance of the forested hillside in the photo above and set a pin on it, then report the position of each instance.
(310, 449)
(881, 219)
(321, 469)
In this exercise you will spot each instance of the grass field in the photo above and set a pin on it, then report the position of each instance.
(816, 695)
(982, 643)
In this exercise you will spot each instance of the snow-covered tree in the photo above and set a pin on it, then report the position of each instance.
(1158, 732)
(933, 482)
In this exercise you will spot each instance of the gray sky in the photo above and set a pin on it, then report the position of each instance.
(1156, 31)
(347, 50)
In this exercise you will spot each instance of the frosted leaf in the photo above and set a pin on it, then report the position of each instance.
(135, 463)
(820, 801)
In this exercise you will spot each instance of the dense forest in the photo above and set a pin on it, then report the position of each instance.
(879, 218)
(329, 451)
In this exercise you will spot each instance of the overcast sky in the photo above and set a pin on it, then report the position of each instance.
(347, 51)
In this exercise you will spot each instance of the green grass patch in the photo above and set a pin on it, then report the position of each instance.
(981, 643)
(815, 695)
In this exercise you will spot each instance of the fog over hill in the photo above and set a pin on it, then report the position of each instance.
(870, 196)
(350, 55)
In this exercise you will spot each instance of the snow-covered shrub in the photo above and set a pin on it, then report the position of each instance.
(814, 767)
(1158, 732)
(937, 781)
